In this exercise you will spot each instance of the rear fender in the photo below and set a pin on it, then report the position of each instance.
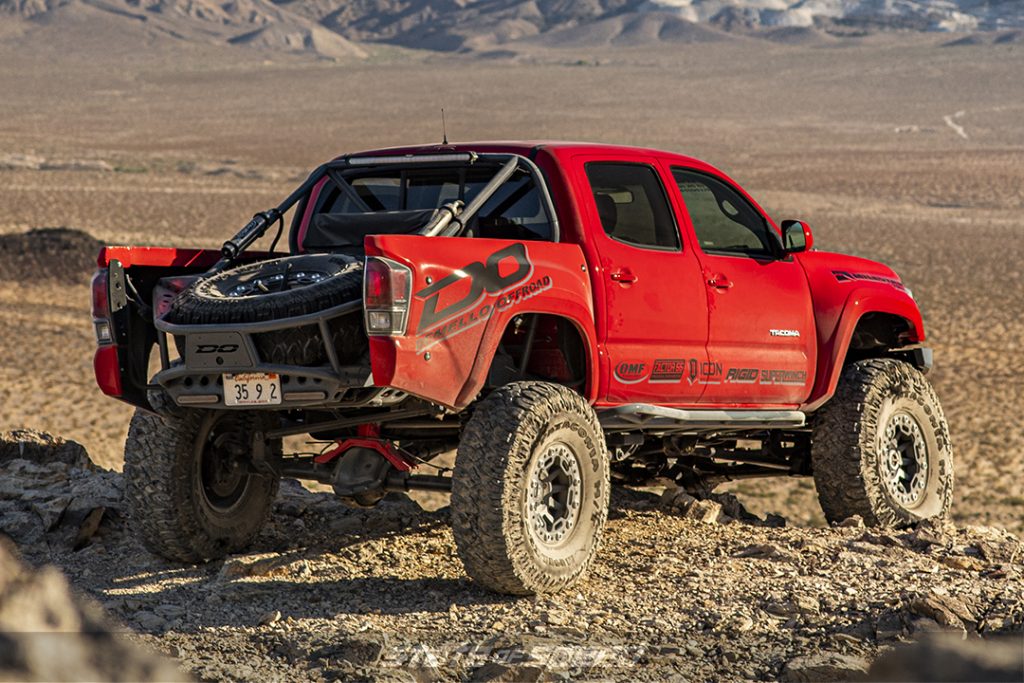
(465, 292)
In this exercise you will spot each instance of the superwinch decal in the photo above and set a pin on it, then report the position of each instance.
(693, 371)
(489, 291)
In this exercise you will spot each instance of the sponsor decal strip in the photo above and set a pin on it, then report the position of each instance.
(674, 370)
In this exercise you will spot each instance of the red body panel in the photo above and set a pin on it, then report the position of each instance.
(161, 257)
(652, 317)
(677, 335)
(453, 331)
(841, 301)
(107, 368)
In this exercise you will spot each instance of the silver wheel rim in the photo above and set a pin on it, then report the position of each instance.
(904, 460)
(553, 496)
(277, 282)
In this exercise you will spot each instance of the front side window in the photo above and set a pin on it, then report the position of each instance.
(724, 221)
(632, 205)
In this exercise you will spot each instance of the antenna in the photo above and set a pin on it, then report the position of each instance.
(444, 129)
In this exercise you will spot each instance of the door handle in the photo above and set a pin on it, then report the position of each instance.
(720, 281)
(625, 277)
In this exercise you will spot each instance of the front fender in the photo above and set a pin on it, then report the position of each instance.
(834, 337)
(465, 292)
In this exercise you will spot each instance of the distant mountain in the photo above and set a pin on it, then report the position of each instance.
(258, 23)
(336, 28)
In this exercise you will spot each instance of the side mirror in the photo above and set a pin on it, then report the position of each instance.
(796, 236)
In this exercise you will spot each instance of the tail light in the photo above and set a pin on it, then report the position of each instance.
(101, 308)
(386, 292)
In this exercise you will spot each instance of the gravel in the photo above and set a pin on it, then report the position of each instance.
(328, 592)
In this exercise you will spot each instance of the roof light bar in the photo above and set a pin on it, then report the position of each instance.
(411, 159)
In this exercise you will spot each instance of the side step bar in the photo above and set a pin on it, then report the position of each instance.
(644, 417)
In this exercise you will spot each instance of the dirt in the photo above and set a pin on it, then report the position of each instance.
(679, 589)
(60, 255)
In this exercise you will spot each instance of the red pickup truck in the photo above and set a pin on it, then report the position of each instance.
(564, 315)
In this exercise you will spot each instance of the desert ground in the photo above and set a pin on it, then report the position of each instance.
(893, 147)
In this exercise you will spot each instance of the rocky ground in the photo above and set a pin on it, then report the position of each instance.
(682, 589)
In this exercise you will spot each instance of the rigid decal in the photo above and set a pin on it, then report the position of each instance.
(489, 291)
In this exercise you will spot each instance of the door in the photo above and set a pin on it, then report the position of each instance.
(653, 323)
(761, 337)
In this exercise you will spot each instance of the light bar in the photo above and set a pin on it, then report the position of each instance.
(411, 159)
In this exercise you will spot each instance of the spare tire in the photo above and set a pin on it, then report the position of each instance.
(277, 290)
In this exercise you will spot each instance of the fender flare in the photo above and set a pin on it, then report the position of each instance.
(834, 347)
(580, 316)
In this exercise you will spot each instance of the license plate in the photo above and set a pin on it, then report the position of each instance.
(252, 389)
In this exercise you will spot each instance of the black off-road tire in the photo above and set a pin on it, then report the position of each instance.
(851, 454)
(509, 436)
(208, 301)
(168, 506)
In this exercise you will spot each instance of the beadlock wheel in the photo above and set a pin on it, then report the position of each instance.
(904, 459)
(553, 496)
(530, 489)
(881, 448)
(191, 495)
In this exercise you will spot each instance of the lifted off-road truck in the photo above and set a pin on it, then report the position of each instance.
(564, 315)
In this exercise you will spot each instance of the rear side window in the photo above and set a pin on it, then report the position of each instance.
(725, 222)
(632, 205)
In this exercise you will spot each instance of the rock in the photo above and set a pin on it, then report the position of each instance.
(945, 610)
(931, 532)
(50, 633)
(88, 528)
(962, 563)
(807, 604)
(889, 625)
(733, 508)
(494, 672)
(555, 618)
(270, 618)
(951, 658)
(675, 500)
(852, 522)
(364, 649)
(243, 566)
(826, 666)
(43, 448)
(765, 551)
(707, 512)
(149, 621)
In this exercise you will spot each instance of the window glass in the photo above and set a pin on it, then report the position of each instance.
(632, 206)
(723, 220)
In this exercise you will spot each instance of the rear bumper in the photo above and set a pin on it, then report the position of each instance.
(213, 350)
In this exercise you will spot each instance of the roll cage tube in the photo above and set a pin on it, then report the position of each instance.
(255, 228)
(452, 214)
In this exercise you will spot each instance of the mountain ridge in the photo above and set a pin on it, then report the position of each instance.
(344, 29)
